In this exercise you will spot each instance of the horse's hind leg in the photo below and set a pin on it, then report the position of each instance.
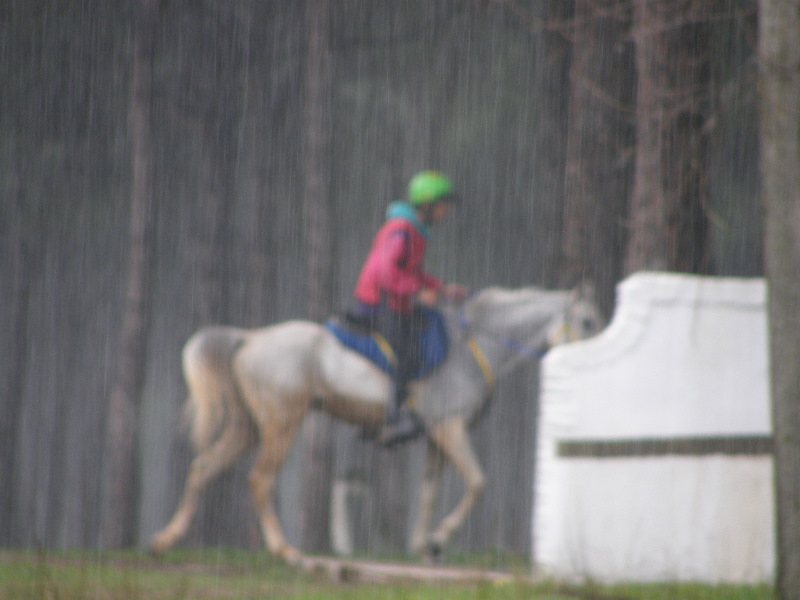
(275, 443)
(452, 438)
(235, 439)
(429, 491)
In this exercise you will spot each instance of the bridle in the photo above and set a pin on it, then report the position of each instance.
(510, 343)
(564, 333)
(520, 348)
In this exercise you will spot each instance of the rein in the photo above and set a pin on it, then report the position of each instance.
(511, 344)
(480, 358)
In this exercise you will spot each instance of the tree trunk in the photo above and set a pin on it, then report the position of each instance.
(22, 269)
(668, 220)
(317, 431)
(599, 135)
(779, 50)
(552, 49)
(119, 515)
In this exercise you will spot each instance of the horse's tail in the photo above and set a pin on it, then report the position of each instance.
(213, 394)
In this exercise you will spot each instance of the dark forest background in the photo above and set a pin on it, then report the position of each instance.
(535, 108)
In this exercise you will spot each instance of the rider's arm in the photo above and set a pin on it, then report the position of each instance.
(394, 273)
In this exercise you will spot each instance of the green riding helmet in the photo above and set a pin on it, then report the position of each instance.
(430, 186)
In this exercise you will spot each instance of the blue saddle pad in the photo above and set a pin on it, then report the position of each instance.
(432, 343)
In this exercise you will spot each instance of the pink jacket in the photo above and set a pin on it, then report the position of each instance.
(393, 269)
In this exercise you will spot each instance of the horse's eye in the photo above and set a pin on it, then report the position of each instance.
(588, 324)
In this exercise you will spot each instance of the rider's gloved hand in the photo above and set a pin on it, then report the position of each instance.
(452, 292)
(428, 296)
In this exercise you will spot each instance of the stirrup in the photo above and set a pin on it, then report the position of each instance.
(404, 428)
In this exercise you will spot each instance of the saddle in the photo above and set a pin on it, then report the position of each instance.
(357, 336)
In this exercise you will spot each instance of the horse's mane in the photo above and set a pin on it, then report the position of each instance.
(496, 297)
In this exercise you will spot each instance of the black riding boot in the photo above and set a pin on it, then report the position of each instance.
(401, 424)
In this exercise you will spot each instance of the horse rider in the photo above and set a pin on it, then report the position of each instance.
(393, 278)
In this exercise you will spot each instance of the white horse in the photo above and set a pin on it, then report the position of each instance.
(249, 387)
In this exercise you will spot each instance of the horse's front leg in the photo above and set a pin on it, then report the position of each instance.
(434, 463)
(451, 436)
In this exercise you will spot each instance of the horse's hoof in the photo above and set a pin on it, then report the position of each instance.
(157, 547)
(291, 556)
(433, 553)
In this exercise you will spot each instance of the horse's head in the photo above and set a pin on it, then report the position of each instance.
(535, 317)
(582, 318)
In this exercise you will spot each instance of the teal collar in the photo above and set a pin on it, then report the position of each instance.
(403, 210)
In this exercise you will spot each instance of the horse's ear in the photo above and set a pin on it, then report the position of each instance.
(585, 290)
